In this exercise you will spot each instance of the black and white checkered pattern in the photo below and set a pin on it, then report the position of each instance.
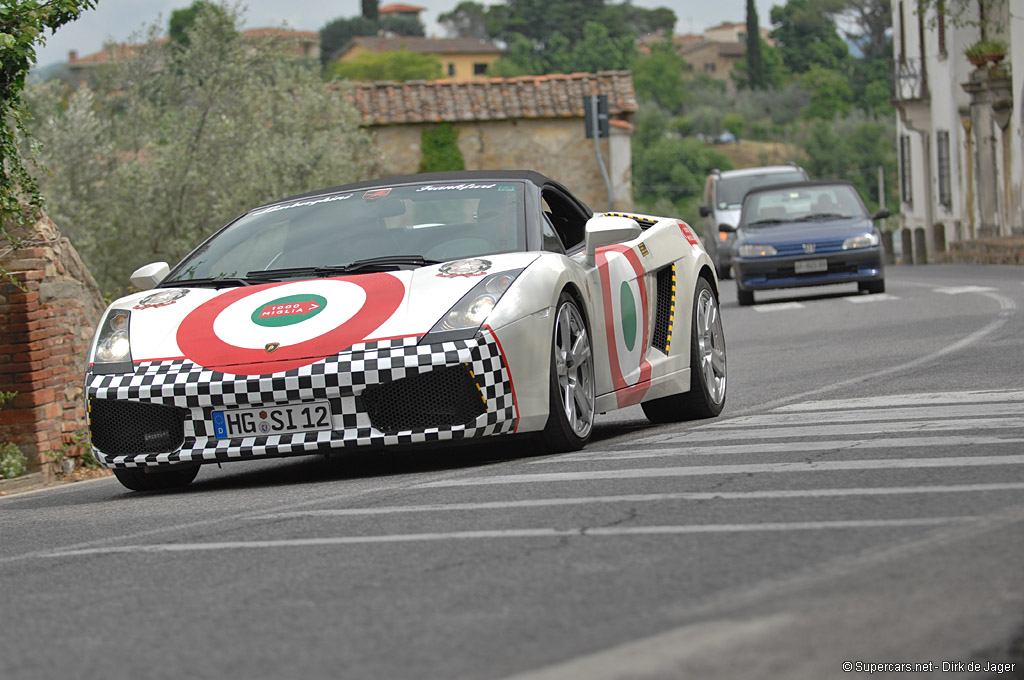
(340, 378)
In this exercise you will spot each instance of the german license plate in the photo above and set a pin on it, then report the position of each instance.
(809, 266)
(258, 422)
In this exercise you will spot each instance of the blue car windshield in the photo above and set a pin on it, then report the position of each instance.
(729, 191)
(812, 203)
(434, 221)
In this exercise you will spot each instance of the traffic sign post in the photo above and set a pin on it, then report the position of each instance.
(595, 120)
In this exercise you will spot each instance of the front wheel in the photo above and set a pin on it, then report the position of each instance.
(744, 297)
(145, 479)
(708, 365)
(572, 397)
(872, 287)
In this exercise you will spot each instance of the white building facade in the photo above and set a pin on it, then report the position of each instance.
(959, 128)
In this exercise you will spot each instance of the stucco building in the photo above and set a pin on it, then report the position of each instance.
(461, 58)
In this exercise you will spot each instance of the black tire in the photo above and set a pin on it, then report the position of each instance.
(706, 398)
(872, 287)
(565, 431)
(744, 297)
(724, 271)
(155, 479)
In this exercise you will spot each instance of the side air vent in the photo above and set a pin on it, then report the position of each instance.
(664, 315)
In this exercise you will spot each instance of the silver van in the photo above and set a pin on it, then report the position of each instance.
(723, 198)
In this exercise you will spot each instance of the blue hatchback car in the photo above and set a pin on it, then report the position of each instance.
(806, 234)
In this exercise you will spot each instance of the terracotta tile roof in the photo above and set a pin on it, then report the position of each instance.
(391, 9)
(421, 45)
(551, 96)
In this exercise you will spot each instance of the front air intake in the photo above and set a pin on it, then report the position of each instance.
(443, 397)
(126, 428)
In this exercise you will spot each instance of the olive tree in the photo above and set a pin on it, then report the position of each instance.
(172, 143)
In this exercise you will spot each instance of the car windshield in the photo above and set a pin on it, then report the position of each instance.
(730, 191)
(397, 226)
(809, 204)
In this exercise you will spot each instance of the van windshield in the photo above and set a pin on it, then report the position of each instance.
(730, 191)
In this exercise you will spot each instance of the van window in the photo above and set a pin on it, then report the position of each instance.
(730, 190)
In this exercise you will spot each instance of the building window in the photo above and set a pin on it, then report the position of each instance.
(451, 69)
(906, 189)
(709, 67)
(940, 26)
(479, 69)
(942, 157)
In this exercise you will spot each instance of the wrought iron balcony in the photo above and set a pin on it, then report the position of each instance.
(909, 80)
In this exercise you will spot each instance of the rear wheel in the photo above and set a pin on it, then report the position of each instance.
(154, 479)
(571, 403)
(708, 365)
(872, 287)
(744, 297)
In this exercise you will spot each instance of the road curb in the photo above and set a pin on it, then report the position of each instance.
(32, 480)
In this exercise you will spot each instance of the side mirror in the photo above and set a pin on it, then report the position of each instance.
(705, 210)
(148, 276)
(604, 230)
(726, 228)
(884, 212)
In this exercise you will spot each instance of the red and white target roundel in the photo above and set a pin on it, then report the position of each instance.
(278, 327)
(626, 321)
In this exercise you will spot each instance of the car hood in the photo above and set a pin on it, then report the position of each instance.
(806, 232)
(273, 327)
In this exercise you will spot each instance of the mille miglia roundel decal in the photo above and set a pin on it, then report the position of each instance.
(267, 329)
(627, 321)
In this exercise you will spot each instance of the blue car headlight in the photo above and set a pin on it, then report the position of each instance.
(465, 318)
(862, 241)
(754, 250)
(113, 346)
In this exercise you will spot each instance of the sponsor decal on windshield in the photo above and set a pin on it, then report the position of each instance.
(456, 187)
(301, 204)
(161, 299)
(375, 193)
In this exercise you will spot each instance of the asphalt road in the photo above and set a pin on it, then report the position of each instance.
(860, 500)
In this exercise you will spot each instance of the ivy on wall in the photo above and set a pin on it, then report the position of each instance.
(440, 149)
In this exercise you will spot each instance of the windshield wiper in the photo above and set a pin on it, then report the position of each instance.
(380, 264)
(770, 220)
(819, 216)
(215, 282)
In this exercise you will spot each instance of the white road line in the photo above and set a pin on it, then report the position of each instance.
(882, 297)
(743, 469)
(644, 498)
(784, 447)
(778, 306)
(919, 400)
(960, 290)
(868, 415)
(518, 533)
(724, 433)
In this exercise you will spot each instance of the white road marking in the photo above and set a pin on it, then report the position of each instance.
(518, 533)
(922, 399)
(784, 447)
(869, 415)
(960, 290)
(645, 498)
(741, 469)
(778, 306)
(724, 433)
(881, 297)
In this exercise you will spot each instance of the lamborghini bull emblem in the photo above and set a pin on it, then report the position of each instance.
(271, 346)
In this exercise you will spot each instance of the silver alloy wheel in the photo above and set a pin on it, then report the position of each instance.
(711, 346)
(574, 369)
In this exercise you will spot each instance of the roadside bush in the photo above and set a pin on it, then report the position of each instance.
(12, 461)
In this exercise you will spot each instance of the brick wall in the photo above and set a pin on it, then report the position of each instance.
(46, 324)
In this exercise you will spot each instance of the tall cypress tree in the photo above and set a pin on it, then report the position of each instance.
(755, 64)
(370, 9)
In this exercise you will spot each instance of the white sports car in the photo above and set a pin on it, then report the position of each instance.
(417, 309)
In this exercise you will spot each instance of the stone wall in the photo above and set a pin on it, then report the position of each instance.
(47, 319)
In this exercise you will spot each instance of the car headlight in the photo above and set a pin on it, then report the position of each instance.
(465, 318)
(753, 250)
(862, 241)
(113, 348)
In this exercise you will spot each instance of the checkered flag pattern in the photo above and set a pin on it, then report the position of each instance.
(341, 379)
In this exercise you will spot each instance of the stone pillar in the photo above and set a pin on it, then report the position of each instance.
(991, 106)
(47, 317)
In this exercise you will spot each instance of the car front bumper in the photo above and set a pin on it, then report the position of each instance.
(381, 393)
(848, 266)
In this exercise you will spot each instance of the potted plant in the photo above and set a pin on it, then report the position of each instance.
(984, 51)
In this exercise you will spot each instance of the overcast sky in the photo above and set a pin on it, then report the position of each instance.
(116, 20)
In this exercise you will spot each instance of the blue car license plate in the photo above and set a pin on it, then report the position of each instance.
(267, 420)
(810, 266)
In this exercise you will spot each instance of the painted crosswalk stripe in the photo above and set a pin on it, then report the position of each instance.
(753, 468)
(786, 447)
(778, 306)
(922, 399)
(882, 297)
(868, 415)
(519, 533)
(780, 494)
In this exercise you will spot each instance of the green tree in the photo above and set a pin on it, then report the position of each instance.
(183, 19)
(402, 25)
(440, 149)
(371, 9)
(398, 65)
(831, 93)
(754, 63)
(22, 26)
(336, 34)
(595, 51)
(165, 150)
(853, 148)
(674, 169)
(658, 77)
(871, 21)
(807, 37)
(468, 19)
(773, 71)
